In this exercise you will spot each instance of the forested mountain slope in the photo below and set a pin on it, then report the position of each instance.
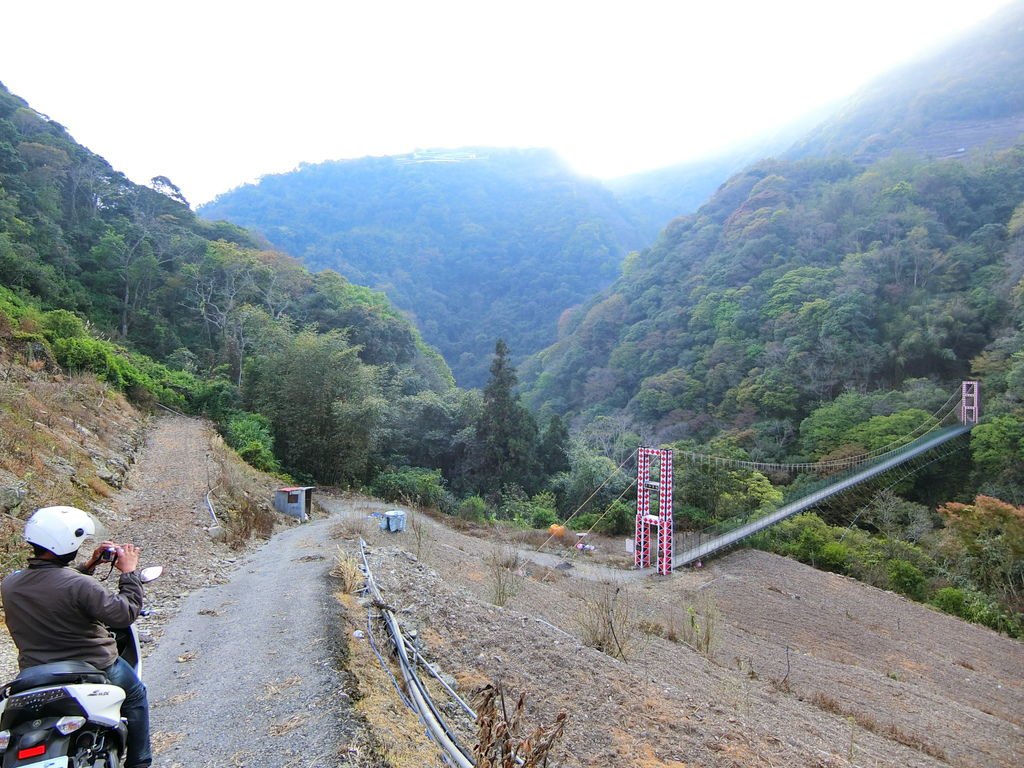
(474, 244)
(861, 260)
(796, 282)
(968, 95)
(78, 235)
(304, 372)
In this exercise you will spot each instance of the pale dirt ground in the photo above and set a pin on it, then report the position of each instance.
(806, 668)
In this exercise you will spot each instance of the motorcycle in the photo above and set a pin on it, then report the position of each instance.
(67, 714)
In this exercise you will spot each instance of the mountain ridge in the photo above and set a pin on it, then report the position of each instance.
(473, 243)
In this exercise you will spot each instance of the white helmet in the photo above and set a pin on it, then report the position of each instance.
(60, 530)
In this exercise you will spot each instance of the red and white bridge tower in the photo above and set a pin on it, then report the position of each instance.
(970, 402)
(657, 527)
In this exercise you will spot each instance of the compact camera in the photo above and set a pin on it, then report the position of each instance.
(108, 555)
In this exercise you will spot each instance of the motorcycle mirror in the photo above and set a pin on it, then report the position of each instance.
(153, 572)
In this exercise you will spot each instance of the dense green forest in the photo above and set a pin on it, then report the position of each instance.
(797, 282)
(475, 244)
(127, 282)
(306, 374)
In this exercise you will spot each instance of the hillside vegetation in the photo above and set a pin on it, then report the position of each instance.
(105, 276)
(796, 282)
(966, 96)
(474, 245)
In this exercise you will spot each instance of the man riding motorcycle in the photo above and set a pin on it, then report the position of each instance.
(58, 613)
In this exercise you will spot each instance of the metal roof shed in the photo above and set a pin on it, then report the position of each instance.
(296, 501)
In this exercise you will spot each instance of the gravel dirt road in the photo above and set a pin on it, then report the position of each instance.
(246, 674)
(240, 662)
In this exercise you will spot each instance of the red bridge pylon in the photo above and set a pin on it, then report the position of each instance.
(659, 526)
(970, 402)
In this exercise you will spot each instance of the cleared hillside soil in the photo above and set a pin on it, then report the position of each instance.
(805, 668)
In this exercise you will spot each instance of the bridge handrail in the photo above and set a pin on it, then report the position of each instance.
(847, 462)
(893, 458)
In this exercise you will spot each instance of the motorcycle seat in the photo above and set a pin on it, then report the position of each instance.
(57, 673)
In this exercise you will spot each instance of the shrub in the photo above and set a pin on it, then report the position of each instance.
(583, 522)
(138, 376)
(515, 505)
(61, 324)
(504, 564)
(906, 578)
(543, 517)
(607, 619)
(472, 508)
(542, 510)
(699, 629)
(979, 608)
(618, 519)
(412, 485)
(258, 456)
(835, 556)
(249, 434)
(951, 600)
(217, 398)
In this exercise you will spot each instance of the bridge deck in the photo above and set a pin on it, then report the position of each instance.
(890, 460)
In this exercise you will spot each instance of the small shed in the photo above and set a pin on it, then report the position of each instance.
(296, 501)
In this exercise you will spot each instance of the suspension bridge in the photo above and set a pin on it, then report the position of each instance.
(654, 538)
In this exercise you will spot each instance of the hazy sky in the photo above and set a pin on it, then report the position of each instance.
(213, 94)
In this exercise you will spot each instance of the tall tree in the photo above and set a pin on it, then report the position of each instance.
(506, 431)
(323, 404)
(553, 451)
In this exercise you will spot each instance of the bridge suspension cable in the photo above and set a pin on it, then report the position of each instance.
(591, 496)
(933, 422)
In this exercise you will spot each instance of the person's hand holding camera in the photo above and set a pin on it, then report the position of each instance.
(124, 557)
(127, 558)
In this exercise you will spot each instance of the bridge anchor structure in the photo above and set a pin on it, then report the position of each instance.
(654, 528)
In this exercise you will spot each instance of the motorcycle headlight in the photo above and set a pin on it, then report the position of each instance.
(68, 725)
(5, 740)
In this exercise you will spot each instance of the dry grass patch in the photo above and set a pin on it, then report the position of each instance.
(348, 570)
(241, 497)
(277, 687)
(503, 564)
(889, 730)
(287, 726)
(607, 619)
(352, 528)
(398, 736)
(99, 487)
